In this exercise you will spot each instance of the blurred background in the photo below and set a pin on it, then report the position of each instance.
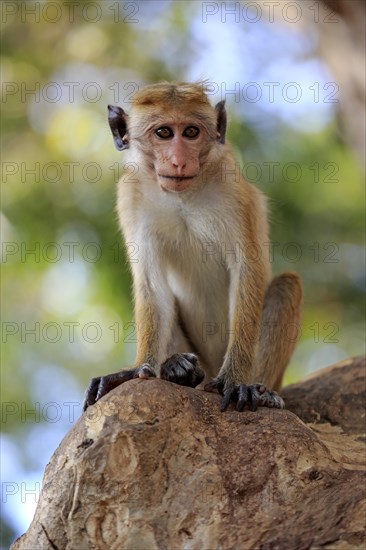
(292, 74)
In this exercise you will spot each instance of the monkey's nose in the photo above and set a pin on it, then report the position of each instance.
(179, 168)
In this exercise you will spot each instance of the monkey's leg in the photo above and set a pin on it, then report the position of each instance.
(279, 329)
(278, 335)
(277, 339)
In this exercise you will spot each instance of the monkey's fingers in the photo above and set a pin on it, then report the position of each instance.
(182, 369)
(215, 384)
(91, 393)
(103, 384)
(267, 398)
(257, 395)
(246, 395)
(245, 398)
(229, 393)
(111, 381)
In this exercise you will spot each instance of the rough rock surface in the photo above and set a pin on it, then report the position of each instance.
(156, 466)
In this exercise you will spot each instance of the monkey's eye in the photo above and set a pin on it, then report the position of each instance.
(191, 132)
(164, 132)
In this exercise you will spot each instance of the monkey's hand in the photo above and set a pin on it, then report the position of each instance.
(101, 385)
(251, 395)
(182, 369)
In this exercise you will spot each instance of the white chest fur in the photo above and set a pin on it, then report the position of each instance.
(191, 239)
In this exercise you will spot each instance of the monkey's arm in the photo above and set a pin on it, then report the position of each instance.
(154, 318)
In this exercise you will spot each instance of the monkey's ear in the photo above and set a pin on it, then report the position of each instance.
(221, 121)
(117, 119)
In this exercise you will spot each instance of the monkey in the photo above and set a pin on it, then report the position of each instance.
(206, 305)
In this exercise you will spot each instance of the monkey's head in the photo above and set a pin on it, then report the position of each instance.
(172, 130)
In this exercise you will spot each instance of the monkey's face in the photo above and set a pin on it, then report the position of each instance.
(173, 134)
(178, 148)
(173, 140)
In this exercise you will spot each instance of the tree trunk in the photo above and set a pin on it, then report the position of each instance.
(154, 465)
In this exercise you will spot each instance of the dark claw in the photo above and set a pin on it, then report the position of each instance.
(215, 384)
(103, 384)
(91, 393)
(182, 369)
(251, 395)
(229, 393)
(244, 397)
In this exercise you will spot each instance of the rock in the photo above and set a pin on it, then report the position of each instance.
(154, 465)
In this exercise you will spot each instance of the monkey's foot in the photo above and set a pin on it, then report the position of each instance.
(182, 369)
(251, 395)
(101, 385)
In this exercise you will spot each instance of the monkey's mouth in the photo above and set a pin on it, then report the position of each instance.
(175, 183)
(177, 178)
